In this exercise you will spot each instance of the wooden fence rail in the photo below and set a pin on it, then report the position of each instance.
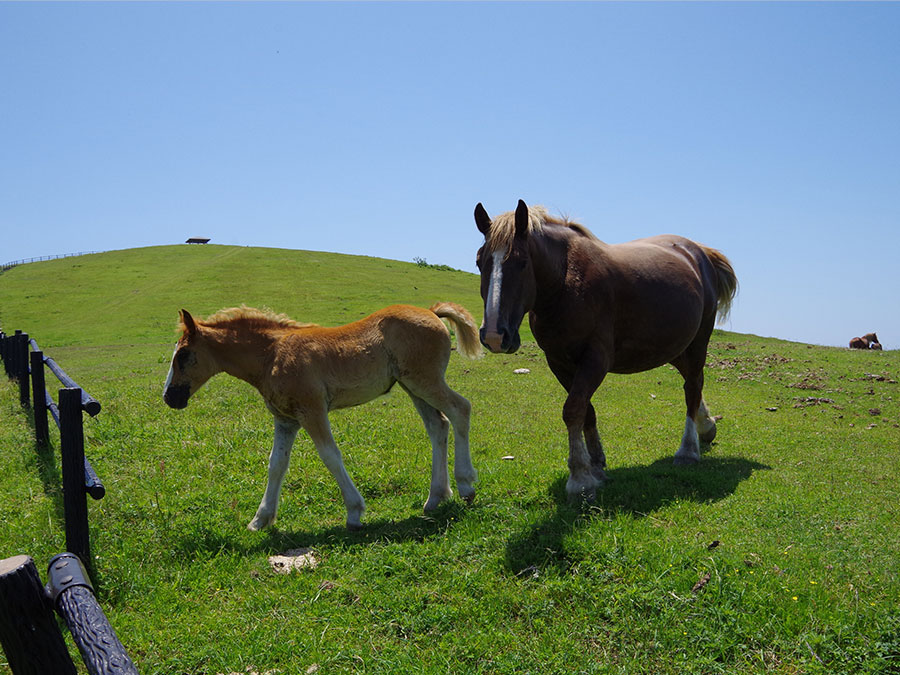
(29, 632)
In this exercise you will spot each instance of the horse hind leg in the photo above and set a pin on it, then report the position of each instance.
(457, 409)
(697, 420)
(438, 428)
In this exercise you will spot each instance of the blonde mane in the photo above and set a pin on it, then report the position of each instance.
(503, 227)
(257, 318)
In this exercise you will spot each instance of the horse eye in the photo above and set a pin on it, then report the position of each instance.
(182, 357)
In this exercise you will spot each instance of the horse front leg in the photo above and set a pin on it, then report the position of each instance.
(594, 444)
(285, 433)
(319, 429)
(585, 475)
(580, 413)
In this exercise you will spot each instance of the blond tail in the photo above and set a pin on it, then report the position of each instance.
(464, 326)
(727, 282)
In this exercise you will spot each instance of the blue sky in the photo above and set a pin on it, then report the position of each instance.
(768, 130)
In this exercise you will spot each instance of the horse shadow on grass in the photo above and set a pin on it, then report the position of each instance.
(416, 528)
(636, 491)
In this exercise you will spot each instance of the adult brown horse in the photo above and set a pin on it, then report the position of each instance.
(596, 308)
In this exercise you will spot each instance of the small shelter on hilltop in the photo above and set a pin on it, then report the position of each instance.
(197, 240)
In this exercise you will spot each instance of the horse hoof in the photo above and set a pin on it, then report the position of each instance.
(685, 460)
(354, 527)
(469, 499)
(431, 507)
(258, 523)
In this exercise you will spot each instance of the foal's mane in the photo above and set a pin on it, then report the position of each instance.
(249, 317)
(503, 227)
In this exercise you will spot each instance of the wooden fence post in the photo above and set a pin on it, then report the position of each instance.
(12, 355)
(39, 396)
(12, 368)
(72, 594)
(3, 342)
(22, 363)
(31, 638)
(71, 446)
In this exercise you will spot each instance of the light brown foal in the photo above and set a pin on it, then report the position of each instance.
(303, 371)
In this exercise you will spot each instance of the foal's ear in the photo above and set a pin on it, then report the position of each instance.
(482, 219)
(188, 322)
(521, 219)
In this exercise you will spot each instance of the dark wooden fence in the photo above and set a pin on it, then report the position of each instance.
(29, 632)
(79, 477)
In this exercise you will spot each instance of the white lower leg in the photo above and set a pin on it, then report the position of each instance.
(689, 451)
(463, 471)
(582, 481)
(279, 459)
(438, 432)
(353, 500)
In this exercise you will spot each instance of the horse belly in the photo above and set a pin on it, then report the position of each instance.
(358, 380)
(363, 392)
(637, 359)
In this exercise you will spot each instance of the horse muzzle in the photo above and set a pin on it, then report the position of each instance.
(177, 397)
(500, 342)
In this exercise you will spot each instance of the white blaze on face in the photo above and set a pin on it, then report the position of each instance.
(171, 368)
(492, 305)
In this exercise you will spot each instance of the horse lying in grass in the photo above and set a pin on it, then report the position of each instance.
(303, 371)
(867, 341)
(597, 308)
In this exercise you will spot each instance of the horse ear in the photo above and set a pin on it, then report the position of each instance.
(188, 322)
(482, 219)
(521, 219)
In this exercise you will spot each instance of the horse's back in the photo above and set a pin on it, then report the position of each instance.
(656, 295)
(668, 256)
(353, 363)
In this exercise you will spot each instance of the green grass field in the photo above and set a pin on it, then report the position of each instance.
(779, 553)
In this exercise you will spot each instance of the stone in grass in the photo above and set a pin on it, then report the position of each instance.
(521, 371)
(294, 559)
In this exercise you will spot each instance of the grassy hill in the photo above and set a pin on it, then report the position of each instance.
(777, 553)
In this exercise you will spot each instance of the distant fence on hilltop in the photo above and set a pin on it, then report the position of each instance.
(24, 261)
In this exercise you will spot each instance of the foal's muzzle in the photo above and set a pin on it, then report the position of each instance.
(177, 397)
(500, 342)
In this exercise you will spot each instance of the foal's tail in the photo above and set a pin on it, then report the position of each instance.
(727, 283)
(463, 325)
